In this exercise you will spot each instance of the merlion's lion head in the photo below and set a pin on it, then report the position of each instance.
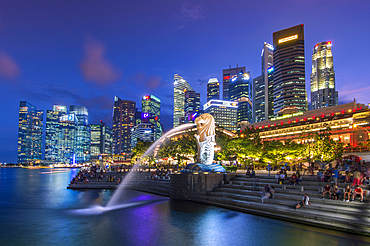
(205, 125)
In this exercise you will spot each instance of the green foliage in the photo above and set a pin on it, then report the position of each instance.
(139, 150)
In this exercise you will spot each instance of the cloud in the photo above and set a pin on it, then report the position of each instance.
(191, 12)
(8, 67)
(151, 82)
(95, 67)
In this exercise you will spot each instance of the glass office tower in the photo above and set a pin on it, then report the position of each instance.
(151, 112)
(289, 71)
(83, 134)
(123, 122)
(323, 93)
(180, 85)
(213, 89)
(240, 89)
(30, 130)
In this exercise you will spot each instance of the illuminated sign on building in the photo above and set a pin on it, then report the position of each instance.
(146, 97)
(69, 118)
(283, 40)
(145, 115)
(246, 76)
(286, 116)
(60, 108)
(220, 103)
(270, 70)
(269, 46)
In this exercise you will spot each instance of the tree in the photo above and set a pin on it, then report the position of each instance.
(139, 150)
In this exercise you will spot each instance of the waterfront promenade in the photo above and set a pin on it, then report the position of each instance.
(237, 192)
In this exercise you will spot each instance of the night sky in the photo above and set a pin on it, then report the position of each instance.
(87, 51)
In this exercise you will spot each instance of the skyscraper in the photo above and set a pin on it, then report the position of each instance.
(227, 75)
(83, 134)
(192, 105)
(323, 93)
(263, 86)
(142, 132)
(213, 89)
(259, 99)
(289, 71)
(30, 130)
(123, 121)
(101, 140)
(240, 90)
(61, 135)
(151, 112)
(225, 113)
(180, 85)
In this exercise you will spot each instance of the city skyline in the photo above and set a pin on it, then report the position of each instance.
(51, 55)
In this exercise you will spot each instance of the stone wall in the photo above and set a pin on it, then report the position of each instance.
(184, 186)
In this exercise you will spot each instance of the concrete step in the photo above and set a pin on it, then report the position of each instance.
(318, 216)
(289, 214)
(291, 201)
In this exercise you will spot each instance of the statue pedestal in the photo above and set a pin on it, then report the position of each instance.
(197, 167)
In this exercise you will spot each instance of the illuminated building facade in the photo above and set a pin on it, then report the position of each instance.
(263, 89)
(240, 90)
(225, 113)
(289, 71)
(61, 135)
(192, 106)
(101, 140)
(151, 112)
(227, 75)
(143, 132)
(259, 99)
(83, 135)
(30, 130)
(123, 122)
(323, 93)
(180, 85)
(349, 123)
(213, 89)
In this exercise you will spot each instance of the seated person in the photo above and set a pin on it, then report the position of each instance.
(347, 192)
(266, 193)
(248, 173)
(293, 179)
(318, 177)
(358, 191)
(272, 191)
(253, 174)
(305, 201)
(326, 189)
(282, 177)
(336, 192)
(277, 176)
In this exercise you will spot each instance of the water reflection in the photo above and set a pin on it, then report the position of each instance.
(37, 209)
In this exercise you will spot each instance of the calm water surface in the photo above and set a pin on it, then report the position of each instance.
(37, 209)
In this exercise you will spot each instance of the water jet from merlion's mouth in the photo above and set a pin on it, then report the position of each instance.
(114, 201)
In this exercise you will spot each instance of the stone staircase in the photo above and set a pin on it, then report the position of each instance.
(241, 194)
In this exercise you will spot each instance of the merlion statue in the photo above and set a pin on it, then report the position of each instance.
(205, 138)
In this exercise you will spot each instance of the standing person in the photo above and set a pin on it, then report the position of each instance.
(282, 177)
(356, 178)
(335, 176)
(305, 201)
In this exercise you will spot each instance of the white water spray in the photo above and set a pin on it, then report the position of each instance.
(113, 202)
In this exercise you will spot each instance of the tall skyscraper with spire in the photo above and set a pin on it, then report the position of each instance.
(323, 93)
(289, 71)
(180, 85)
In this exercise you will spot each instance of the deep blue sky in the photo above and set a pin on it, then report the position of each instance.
(85, 52)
